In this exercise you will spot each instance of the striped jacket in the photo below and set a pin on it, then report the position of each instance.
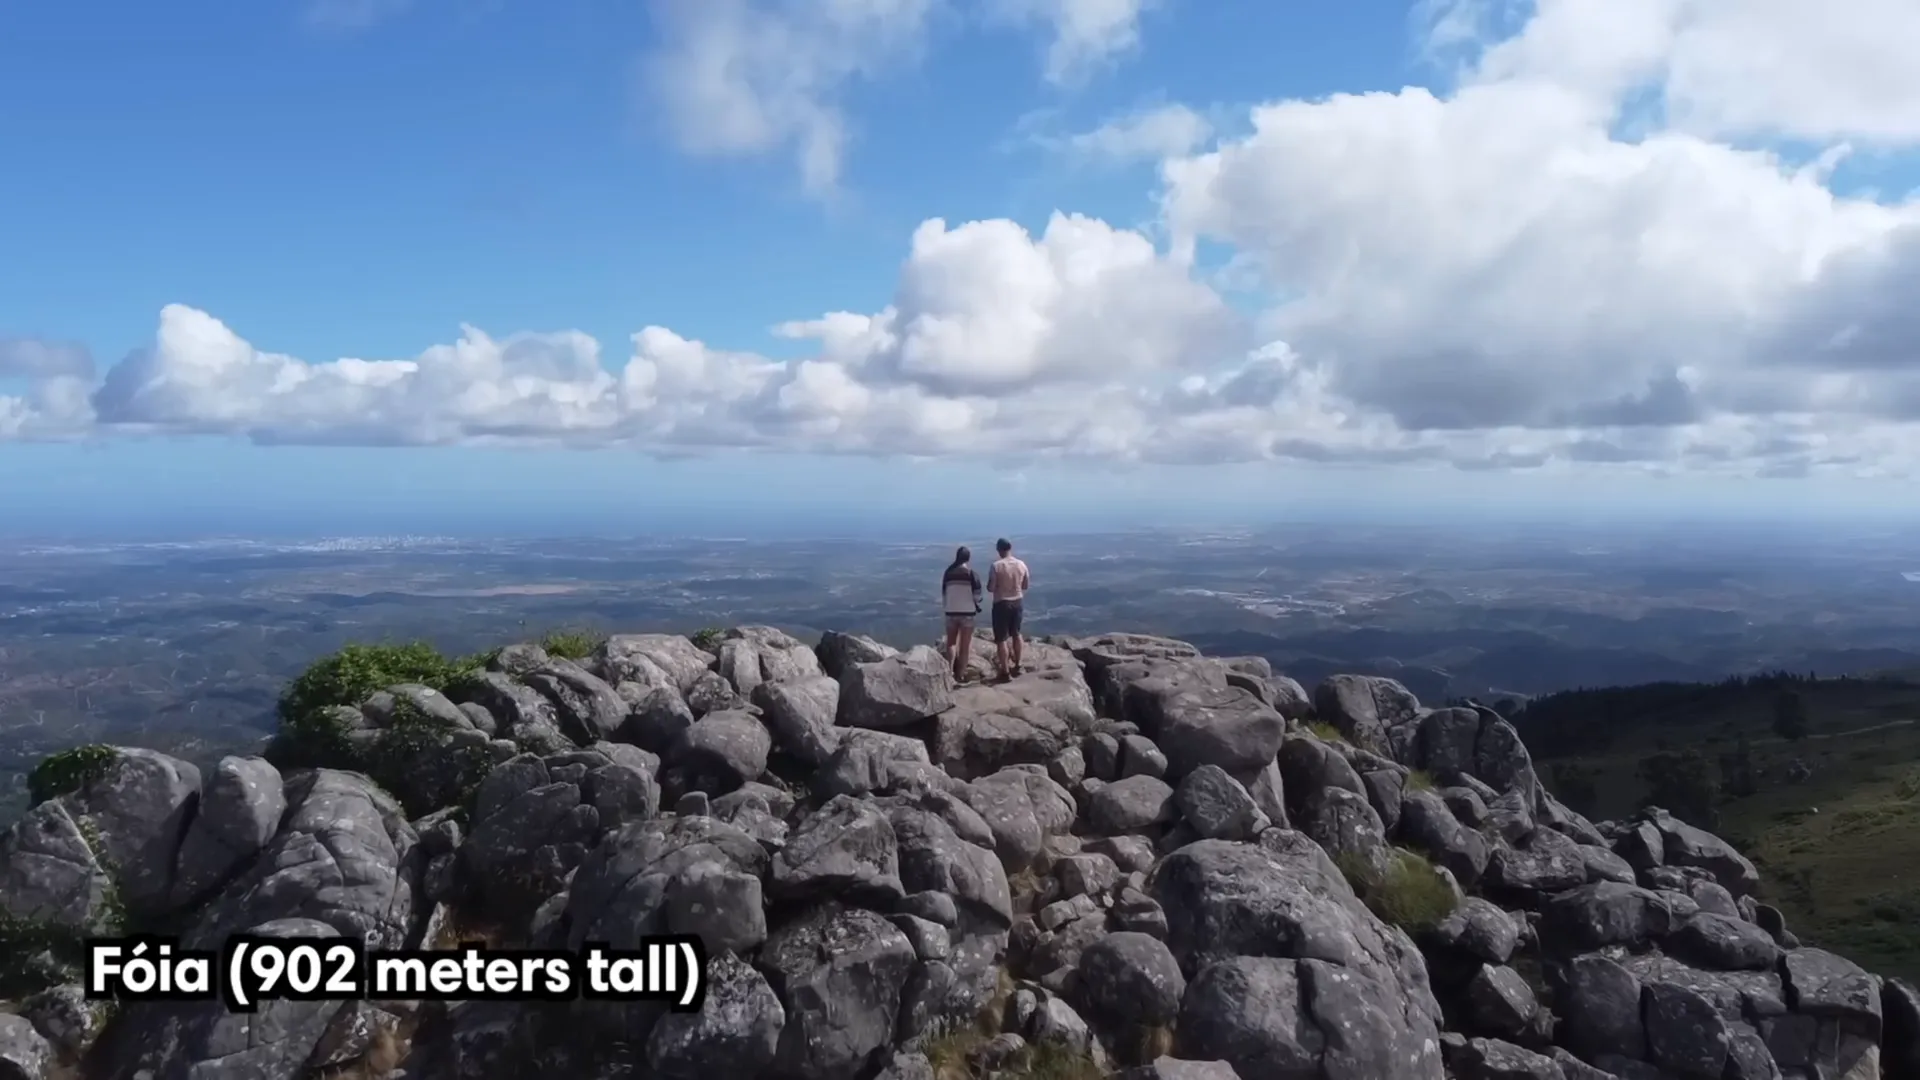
(960, 590)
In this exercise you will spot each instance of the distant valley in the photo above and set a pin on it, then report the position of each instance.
(186, 646)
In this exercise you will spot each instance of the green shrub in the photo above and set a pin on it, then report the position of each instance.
(572, 644)
(309, 736)
(709, 638)
(1409, 892)
(1420, 780)
(68, 770)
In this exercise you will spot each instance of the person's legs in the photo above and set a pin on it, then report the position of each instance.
(1017, 636)
(953, 635)
(963, 655)
(1001, 633)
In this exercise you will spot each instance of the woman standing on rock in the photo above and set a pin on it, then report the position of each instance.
(960, 594)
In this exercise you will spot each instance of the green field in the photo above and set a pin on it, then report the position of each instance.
(1839, 850)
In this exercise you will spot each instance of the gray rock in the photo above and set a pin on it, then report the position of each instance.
(1386, 789)
(1022, 807)
(1084, 874)
(137, 809)
(1217, 806)
(517, 660)
(969, 744)
(718, 903)
(1818, 983)
(586, 709)
(1371, 712)
(337, 867)
(800, 714)
(1600, 1001)
(1501, 1001)
(656, 716)
(1479, 930)
(935, 858)
(1747, 1055)
(1686, 1035)
(1273, 1017)
(1686, 845)
(648, 877)
(1289, 699)
(50, 874)
(721, 751)
(653, 660)
(1604, 865)
(24, 1053)
(240, 810)
(66, 1017)
(1605, 913)
(1572, 1068)
(526, 717)
(846, 849)
(416, 702)
(528, 833)
(1140, 757)
(873, 761)
(1493, 1059)
(479, 718)
(1131, 804)
(1195, 724)
(838, 652)
(1427, 824)
(736, 1032)
(1467, 805)
(1547, 862)
(1169, 1068)
(1102, 754)
(1446, 741)
(841, 974)
(710, 693)
(1729, 944)
(1714, 898)
(897, 692)
(1344, 823)
(1131, 979)
(1129, 853)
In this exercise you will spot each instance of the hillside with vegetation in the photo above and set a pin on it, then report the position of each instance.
(1818, 780)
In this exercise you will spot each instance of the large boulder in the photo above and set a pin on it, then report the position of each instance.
(898, 692)
(340, 866)
(1197, 725)
(240, 810)
(841, 974)
(1286, 965)
(653, 660)
(1371, 712)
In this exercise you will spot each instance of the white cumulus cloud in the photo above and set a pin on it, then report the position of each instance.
(1152, 134)
(1532, 268)
(746, 78)
(1086, 35)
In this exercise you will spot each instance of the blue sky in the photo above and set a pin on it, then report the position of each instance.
(1272, 300)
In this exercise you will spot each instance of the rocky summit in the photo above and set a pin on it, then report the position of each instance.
(1129, 860)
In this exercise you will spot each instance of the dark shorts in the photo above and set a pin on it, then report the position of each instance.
(1006, 620)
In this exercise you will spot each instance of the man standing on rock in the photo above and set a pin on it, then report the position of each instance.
(1008, 581)
(960, 598)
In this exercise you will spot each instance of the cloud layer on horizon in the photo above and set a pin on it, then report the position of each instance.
(1534, 266)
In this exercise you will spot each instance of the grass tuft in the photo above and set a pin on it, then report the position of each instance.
(1409, 892)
